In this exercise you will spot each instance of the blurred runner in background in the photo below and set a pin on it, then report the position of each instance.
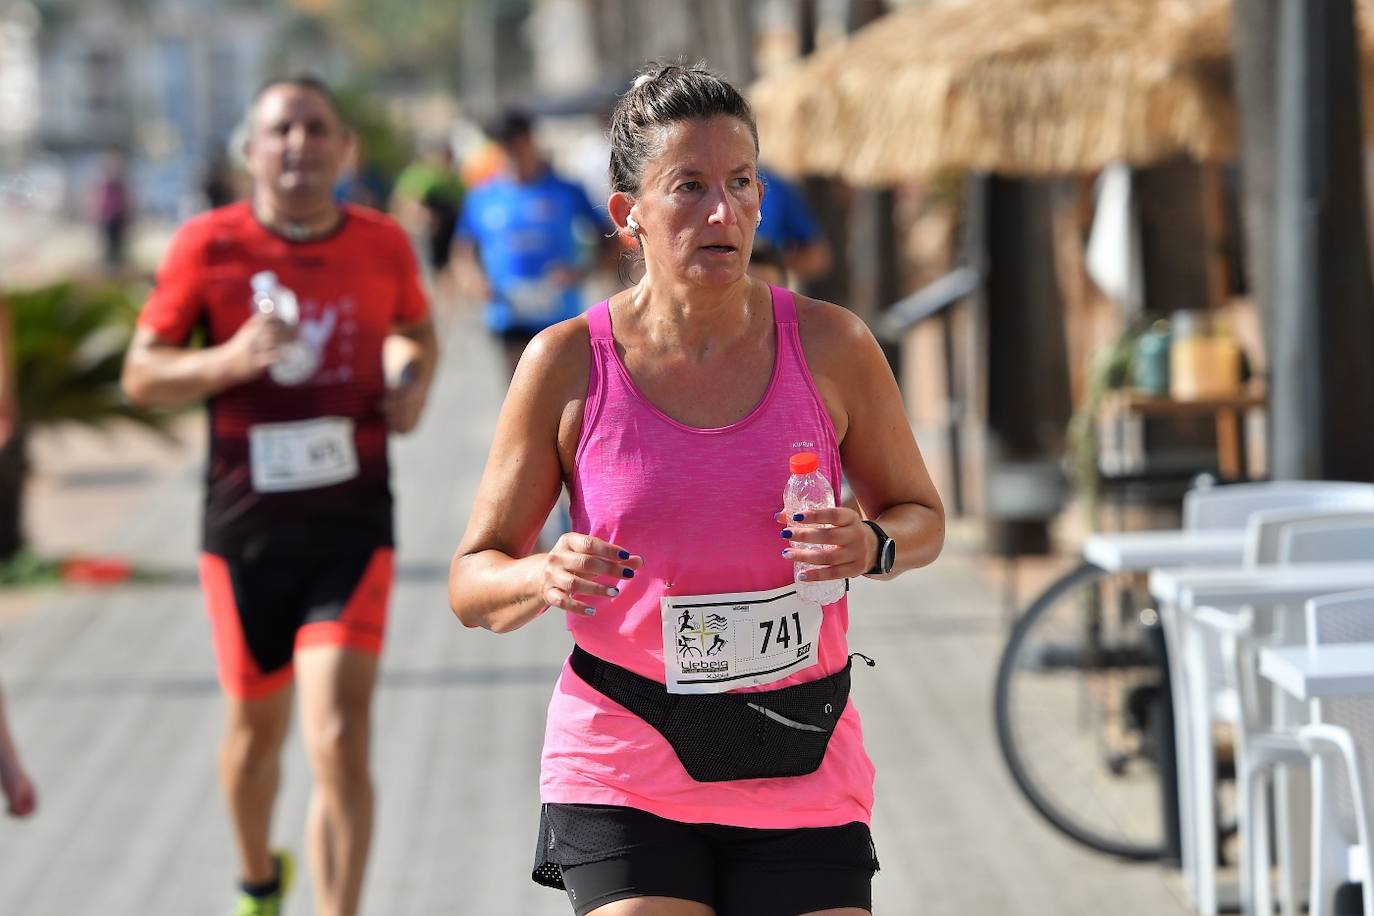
(112, 208)
(789, 227)
(317, 343)
(526, 240)
(426, 201)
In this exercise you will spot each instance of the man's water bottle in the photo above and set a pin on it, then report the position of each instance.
(806, 489)
(297, 361)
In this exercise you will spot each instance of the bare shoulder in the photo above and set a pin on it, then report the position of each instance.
(550, 384)
(831, 333)
(557, 360)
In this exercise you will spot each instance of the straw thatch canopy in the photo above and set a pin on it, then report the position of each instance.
(1011, 86)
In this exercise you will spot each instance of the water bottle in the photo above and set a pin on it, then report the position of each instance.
(806, 489)
(297, 361)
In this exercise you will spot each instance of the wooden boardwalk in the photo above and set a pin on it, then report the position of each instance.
(114, 703)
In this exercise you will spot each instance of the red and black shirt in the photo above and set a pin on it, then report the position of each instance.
(352, 286)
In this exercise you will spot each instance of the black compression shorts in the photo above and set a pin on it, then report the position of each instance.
(604, 853)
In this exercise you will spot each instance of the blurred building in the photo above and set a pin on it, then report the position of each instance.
(19, 97)
(165, 81)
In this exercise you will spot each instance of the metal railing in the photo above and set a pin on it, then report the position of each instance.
(930, 301)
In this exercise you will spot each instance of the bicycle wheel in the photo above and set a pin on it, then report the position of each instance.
(1078, 705)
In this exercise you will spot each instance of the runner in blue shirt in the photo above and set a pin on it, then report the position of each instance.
(789, 227)
(521, 230)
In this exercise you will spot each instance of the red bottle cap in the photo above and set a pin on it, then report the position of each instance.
(803, 463)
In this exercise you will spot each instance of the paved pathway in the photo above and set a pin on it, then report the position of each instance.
(115, 705)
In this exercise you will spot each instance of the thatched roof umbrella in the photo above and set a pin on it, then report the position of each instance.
(1010, 86)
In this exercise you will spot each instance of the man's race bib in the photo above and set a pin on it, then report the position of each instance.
(534, 300)
(302, 455)
(715, 643)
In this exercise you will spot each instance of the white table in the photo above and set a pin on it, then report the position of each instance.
(1144, 550)
(1308, 672)
(1233, 586)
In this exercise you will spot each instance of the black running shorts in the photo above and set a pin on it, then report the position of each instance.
(601, 853)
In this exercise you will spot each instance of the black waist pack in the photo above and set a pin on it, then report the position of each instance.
(725, 736)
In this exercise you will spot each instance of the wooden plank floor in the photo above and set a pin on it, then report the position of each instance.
(114, 702)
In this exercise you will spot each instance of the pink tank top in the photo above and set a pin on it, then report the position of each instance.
(698, 505)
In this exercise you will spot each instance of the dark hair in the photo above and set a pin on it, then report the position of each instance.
(661, 95)
(766, 254)
(507, 125)
(301, 81)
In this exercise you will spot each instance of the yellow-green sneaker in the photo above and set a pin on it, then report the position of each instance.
(271, 905)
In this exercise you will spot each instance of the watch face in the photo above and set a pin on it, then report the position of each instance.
(889, 555)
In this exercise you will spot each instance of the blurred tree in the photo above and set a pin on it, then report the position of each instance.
(412, 40)
(68, 344)
(383, 149)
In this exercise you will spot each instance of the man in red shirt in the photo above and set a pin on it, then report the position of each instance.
(317, 343)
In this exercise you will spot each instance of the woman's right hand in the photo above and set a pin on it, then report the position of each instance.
(574, 566)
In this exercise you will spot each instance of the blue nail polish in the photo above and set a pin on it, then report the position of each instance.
(613, 592)
(787, 552)
(590, 612)
(786, 532)
(627, 573)
(798, 517)
(624, 554)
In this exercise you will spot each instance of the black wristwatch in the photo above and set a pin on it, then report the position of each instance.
(887, 551)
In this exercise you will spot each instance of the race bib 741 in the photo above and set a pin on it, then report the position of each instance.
(714, 643)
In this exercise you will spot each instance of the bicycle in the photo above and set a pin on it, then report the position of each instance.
(1084, 715)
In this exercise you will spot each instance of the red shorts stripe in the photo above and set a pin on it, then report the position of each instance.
(361, 624)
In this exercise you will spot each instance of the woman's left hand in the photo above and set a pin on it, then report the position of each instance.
(853, 543)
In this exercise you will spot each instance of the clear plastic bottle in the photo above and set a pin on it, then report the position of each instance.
(297, 361)
(807, 488)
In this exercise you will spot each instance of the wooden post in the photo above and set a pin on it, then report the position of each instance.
(825, 196)
(874, 278)
(873, 257)
(1173, 236)
(1028, 405)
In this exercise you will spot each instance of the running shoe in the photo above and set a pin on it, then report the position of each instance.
(270, 905)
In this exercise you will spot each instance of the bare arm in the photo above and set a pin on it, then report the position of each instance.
(472, 280)
(410, 355)
(15, 784)
(494, 580)
(881, 459)
(162, 374)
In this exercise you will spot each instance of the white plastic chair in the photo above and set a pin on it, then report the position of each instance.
(1340, 739)
(1259, 752)
(1231, 506)
(1333, 538)
(1343, 536)
(1265, 739)
(1205, 683)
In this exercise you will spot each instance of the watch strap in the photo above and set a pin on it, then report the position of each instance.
(883, 540)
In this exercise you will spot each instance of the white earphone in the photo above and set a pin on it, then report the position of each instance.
(758, 218)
